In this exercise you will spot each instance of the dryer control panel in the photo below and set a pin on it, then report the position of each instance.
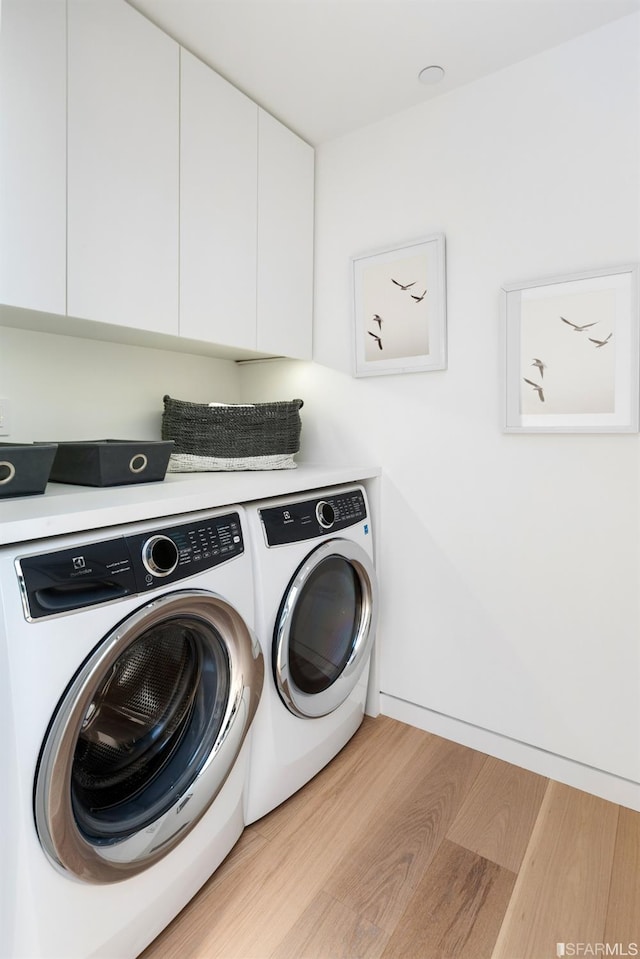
(90, 573)
(296, 522)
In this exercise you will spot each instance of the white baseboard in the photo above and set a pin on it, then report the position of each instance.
(625, 792)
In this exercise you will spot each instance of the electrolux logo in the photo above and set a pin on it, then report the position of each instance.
(597, 949)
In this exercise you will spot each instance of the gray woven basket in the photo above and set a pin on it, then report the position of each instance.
(232, 437)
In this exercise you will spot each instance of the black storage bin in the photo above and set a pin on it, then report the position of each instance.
(111, 462)
(25, 468)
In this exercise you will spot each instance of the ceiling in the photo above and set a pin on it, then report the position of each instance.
(326, 67)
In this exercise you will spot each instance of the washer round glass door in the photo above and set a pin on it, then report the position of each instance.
(146, 735)
(325, 628)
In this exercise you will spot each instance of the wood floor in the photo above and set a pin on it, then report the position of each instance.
(411, 846)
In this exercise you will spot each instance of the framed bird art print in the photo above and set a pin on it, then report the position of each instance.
(399, 309)
(570, 352)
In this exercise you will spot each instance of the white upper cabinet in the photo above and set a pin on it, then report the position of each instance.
(123, 167)
(33, 155)
(285, 240)
(141, 190)
(218, 208)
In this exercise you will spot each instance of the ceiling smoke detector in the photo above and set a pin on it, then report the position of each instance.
(431, 75)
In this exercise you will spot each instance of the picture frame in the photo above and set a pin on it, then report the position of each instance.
(570, 353)
(399, 308)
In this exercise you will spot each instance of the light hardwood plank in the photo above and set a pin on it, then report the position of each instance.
(245, 913)
(623, 911)
(391, 858)
(456, 911)
(186, 936)
(376, 826)
(562, 888)
(327, 928)
(372, 740)
(499, 813)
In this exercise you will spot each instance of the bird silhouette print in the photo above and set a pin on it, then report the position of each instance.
(403, 287)
(576, 328)
(537, 388)
(418, 299)
(540, 365)
(376, 338)
(378, 319)
(600, 343)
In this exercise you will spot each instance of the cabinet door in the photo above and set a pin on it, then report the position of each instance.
(285, 240)
(123, 168)
(218, 208)
(33, 154)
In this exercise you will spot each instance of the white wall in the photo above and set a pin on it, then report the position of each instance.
(510, 564)
(67, 388)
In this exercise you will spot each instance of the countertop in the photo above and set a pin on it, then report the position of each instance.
(63, 508)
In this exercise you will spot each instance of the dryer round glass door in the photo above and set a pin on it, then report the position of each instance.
(325, 628)
(146, 735)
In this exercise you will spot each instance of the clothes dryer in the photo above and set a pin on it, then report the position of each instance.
(316, 613)
(131, 675)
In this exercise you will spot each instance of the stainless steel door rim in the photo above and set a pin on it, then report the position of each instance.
(66, 834)
(314, 704)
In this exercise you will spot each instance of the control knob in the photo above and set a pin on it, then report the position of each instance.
(325, 514)
(160, 555)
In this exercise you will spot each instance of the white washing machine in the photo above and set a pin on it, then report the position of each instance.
(129, 677)
(316, 612)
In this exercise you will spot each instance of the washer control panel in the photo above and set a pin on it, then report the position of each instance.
(92, 573)
(171, 554)
(296, 522)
